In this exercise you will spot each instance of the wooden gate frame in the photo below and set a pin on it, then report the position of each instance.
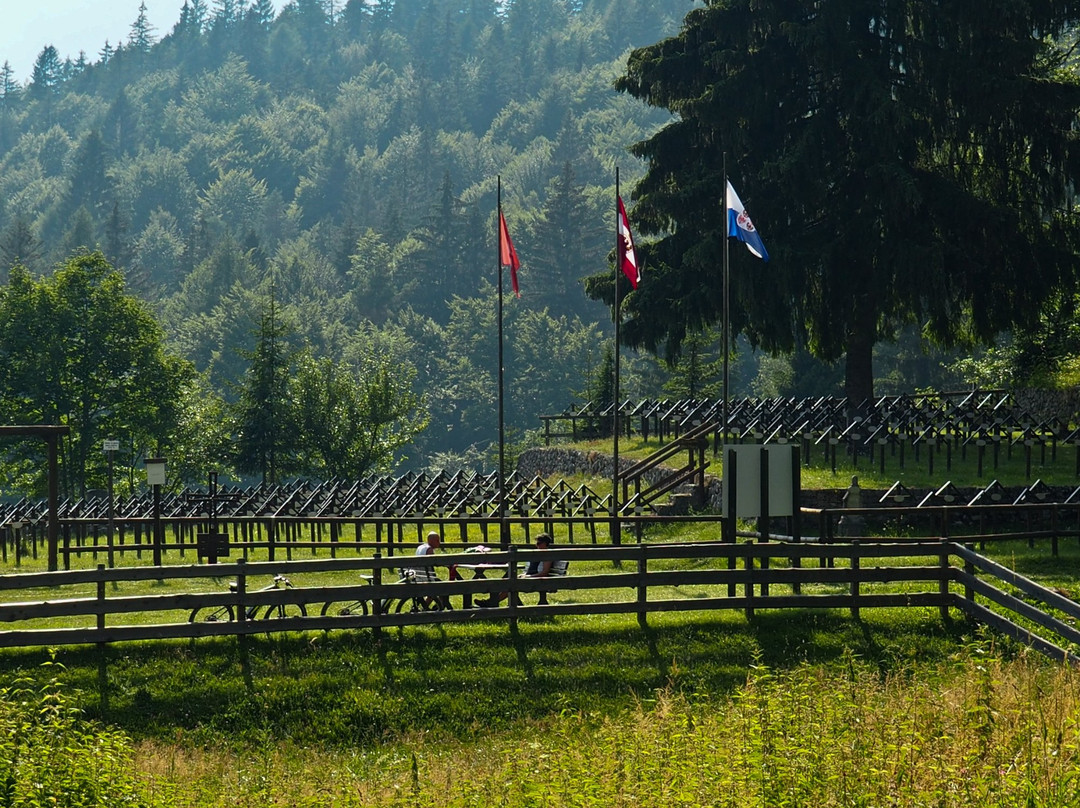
(52, 434)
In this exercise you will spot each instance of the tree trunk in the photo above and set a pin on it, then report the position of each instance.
(859, 362)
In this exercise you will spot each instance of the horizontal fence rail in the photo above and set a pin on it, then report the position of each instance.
(90, 606)
(962, 523)
(294, 535)
(286, 538)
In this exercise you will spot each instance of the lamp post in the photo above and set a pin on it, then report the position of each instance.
(155, 478)
(110, 448)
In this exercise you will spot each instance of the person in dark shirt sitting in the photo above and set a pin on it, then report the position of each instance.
(537, 568)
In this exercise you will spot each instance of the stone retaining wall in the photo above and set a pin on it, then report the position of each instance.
(544, 462)
(1047, 404)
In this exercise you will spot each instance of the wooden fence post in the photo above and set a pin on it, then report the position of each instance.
(969, 568)
(101, 601)
(377, 605)
(514, 595)
(855, 567)
(943, 581)
(642, 589)
(241, 592)
(730, 524)
(765, 578)
(66, 550)
(748, 589)
(103, 671)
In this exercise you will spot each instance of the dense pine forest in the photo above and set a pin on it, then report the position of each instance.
(305, 203)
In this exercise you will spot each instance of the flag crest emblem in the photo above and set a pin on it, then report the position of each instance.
(739, 225)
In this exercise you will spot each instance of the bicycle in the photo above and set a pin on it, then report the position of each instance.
(361, 607)
(224, 614)
(397, 605)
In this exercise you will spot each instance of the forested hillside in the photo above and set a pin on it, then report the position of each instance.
(322, 183)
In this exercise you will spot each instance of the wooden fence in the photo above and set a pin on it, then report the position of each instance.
(84, 541)
(643, 579)
(291, 536)
(974, 523)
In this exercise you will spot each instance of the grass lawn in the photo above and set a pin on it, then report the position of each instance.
(896, 708)
(790, 708)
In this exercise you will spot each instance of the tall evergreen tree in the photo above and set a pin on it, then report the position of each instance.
(9, 87)
(80, 233)
(227, 13)
(600, 391)
(46, 76)
(447, 263)
(905, 162)
(199, 14)
(265, 437)
(567, 245)
(88, 184)
(141, 37)
(10, 92)
(698, 370)
(261, 12)
(19, 245)
(117, 249)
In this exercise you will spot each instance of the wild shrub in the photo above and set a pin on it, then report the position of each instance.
(51, 756)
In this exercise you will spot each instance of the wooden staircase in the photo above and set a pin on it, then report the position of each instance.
(639, 494)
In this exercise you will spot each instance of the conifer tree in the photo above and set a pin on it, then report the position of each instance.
(905, 163)
(19, 245)
(264, 432)
(46, 75)
(141, 38)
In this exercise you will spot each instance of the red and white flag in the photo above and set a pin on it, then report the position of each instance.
(507, 254)
(627, 257)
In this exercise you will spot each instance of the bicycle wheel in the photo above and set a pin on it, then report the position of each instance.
(418, 604)
(211, 614)
(285, 610)
(345, 609)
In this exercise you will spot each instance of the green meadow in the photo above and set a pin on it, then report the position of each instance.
(814, 708)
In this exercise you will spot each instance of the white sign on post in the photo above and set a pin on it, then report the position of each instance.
(748, 480)
(111, 446)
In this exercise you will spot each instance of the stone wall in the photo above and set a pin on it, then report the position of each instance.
(1046, 404)
(545, 462)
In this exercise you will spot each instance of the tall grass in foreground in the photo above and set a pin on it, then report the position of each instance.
(50, 756)
(971, 731)
(975, 732)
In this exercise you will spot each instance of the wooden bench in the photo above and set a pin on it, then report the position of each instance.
(558, 570)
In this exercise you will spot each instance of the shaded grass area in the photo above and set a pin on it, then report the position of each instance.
(350, 690)
(905, 728)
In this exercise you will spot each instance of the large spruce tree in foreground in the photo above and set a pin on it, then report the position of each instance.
(904, 161)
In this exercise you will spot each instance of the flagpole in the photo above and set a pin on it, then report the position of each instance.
(616, 533)
(504, 526)
(727, 303)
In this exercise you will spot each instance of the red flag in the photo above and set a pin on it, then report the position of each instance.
(627, 256)
(507, 254)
